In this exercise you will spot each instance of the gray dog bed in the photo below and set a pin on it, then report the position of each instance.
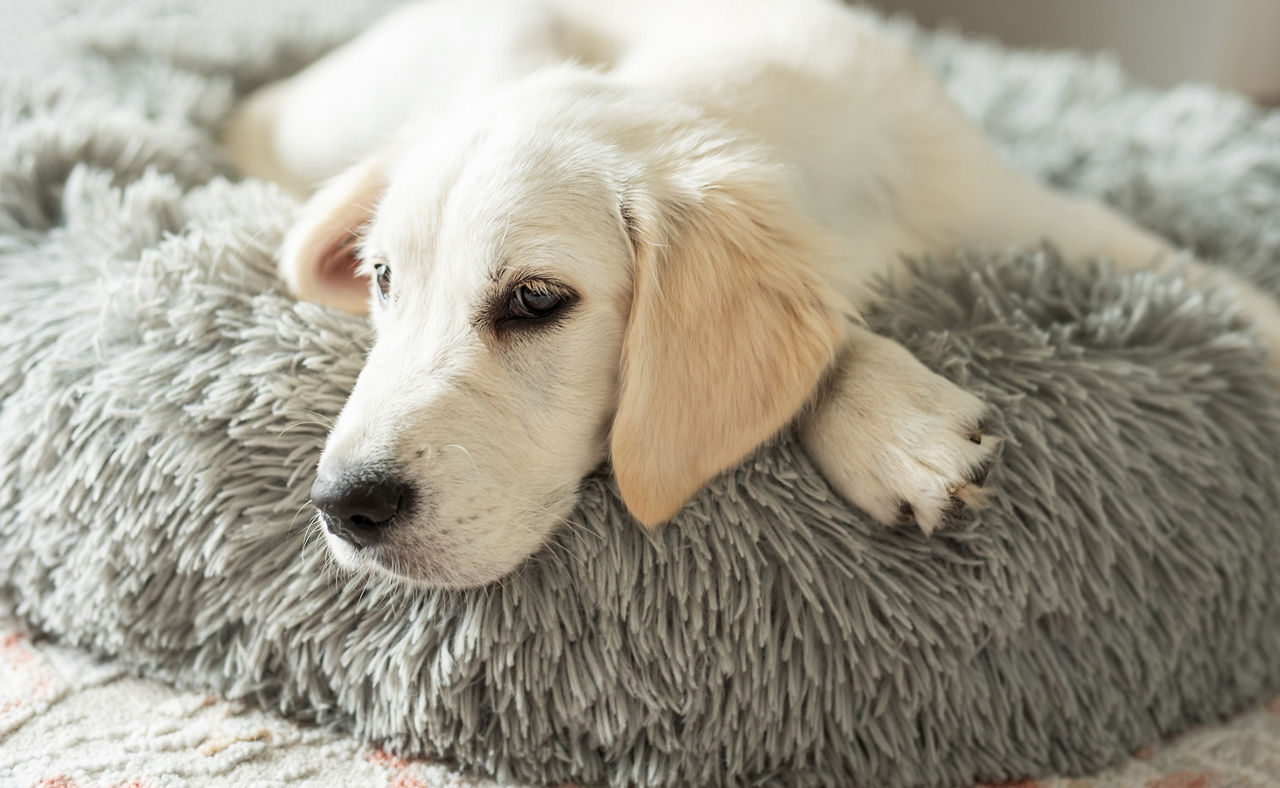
(162, 406)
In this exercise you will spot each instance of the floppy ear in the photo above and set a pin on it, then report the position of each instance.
(318, 260)
(731, 328)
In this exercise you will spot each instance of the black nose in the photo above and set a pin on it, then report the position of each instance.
(357, 507)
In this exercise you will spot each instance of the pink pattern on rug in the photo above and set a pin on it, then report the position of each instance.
(381, 757)
(1187, 780)
(402, 767)
(27, 670)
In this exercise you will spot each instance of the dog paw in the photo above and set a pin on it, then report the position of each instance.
(899, 441)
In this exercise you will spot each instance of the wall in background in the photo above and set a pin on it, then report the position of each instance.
(1230, 43)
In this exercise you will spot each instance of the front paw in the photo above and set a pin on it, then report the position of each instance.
(897, 440)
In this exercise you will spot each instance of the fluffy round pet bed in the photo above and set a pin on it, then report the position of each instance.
(162, 405)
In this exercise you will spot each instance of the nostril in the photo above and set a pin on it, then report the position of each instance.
(357, 506)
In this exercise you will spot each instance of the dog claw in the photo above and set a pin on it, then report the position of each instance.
(917, 451)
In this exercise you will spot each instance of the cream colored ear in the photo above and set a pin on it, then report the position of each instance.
(318, 260)
(731, 329)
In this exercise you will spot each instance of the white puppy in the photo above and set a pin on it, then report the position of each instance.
(632, 232)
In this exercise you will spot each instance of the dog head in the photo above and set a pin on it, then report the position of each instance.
(571, 274)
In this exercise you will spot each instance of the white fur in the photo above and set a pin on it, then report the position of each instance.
(509, 140)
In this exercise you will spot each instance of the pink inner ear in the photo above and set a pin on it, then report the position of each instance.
(339, 279)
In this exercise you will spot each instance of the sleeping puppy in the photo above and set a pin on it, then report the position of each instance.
(633, 233)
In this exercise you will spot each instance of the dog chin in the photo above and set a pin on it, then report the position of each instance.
(385, 562)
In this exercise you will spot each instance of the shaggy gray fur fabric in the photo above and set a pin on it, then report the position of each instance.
(162, 405)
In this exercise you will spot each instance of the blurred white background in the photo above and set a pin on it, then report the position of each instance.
(1233, 44)
(1229, 43)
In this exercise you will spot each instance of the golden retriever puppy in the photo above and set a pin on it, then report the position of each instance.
(633, 233)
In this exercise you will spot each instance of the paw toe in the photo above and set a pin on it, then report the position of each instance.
(906, 513)
(978, 474)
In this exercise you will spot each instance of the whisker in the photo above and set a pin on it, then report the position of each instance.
(296, 424)
(463, 449)
(296, 512)
(239, 257)
(327, 419)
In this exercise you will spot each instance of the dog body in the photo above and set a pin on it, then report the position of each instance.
(635, 233)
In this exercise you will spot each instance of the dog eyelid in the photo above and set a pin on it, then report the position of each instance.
(382, 280)
(531, 302)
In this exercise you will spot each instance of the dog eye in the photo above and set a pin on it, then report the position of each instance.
(531, 301)
(382, 274)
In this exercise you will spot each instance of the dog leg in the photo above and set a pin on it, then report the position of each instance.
(903, 443)
(897, 440)
(391, 85)
(1025, 213)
